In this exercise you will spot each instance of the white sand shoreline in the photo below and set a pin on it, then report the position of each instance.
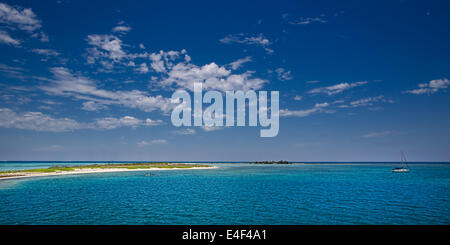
(94, 171)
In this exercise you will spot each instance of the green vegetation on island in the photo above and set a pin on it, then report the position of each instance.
(137, 165)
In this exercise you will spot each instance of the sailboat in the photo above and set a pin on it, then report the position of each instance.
(404, 168)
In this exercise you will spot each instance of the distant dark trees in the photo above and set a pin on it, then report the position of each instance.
(271, 162)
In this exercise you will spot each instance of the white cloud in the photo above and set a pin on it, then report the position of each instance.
(338, 88)
(298, 98)
(187, 131)
(44, 37)
(51, 102)
(212, 76)
(143, 68)
(39, 121)
(92, 106)
(212, 128)
(338, 101)
(152, 142)
(376, 134)
(121, 28)
(283, 75)
(174, 67)
(303, 113)
(240, 38)
(142, 143)
(45, 107)
(238, 63)
(159, 141)
(7, 39)
(112, 123)
(187, 58)
(367, 102)
(183, 74)
(107, 49)
(36, 121)
(157, 64)
(303, 20)
(163, 60)
(23, 18)
(150, 122)
(10, 71)
(258, 40)
(65, 83)
(431, 87)
(46, 52)
(16, 17)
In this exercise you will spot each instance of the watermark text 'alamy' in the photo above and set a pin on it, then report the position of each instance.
(213, 116)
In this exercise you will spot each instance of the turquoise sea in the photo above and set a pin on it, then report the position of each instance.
(323, 193)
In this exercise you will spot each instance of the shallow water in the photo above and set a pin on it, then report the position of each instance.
(235, 194)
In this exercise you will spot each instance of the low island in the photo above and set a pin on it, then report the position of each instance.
(98, 168)
(270, 162)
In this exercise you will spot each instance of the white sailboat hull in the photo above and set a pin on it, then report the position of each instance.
(403, 170)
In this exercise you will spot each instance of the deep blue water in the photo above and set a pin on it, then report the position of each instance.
(234, 194)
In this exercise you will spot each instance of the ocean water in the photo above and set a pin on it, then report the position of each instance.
(234, 194)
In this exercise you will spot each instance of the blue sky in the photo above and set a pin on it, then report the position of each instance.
(92, 80)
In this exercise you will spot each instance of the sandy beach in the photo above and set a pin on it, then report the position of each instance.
(90, 171)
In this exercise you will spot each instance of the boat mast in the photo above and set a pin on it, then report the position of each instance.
(404, 160)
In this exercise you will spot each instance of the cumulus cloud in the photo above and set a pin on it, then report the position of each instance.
(431, 87)
(174, 68)
(108, 51)
(23, 19)
(38, 121)
(151, 122)
(108, 46)
(303, 113)
(64, 83)
(212, 76)
(164, 60)
(126, 121)
(338, 88)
